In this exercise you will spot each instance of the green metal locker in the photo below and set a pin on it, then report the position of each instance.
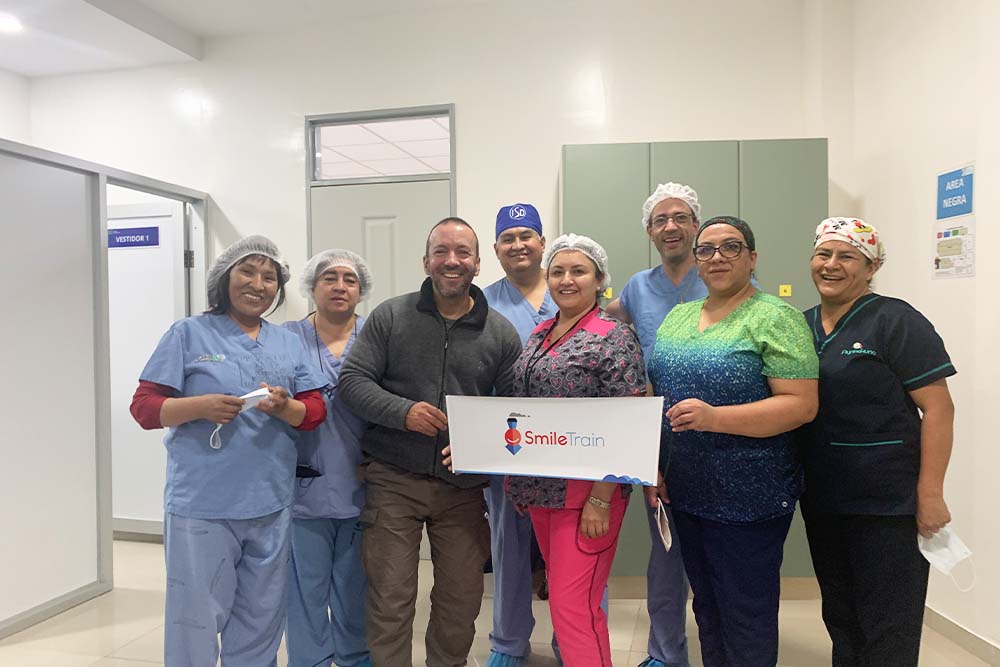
(778, 186)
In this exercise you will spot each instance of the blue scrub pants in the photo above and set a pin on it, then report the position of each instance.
(667, 595)
(326, 595)
(228, 577)
(510, 543)
(735, 573)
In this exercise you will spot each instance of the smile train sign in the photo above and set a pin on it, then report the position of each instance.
(601, 439)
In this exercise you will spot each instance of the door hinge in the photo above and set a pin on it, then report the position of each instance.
(189, 259)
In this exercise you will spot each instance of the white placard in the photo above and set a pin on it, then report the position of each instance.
(601, 439)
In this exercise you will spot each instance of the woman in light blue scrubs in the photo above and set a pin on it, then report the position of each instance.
(327, 589)
(230, 472)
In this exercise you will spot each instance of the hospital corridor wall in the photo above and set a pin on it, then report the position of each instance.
(55, 403)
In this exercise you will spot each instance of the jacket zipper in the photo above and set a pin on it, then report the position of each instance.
(444, 367)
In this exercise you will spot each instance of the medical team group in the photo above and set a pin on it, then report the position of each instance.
(305, 461)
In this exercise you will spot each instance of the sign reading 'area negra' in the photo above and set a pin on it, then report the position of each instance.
(601, 439)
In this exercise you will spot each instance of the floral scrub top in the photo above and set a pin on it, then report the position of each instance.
(720, 476)
(598, 357)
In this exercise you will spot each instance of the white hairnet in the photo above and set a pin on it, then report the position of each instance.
(251, 245)
(670, 191)
(584, 244)
(322, 261)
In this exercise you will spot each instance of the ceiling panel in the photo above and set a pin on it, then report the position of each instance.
(399, 167)
(417, 129)
(433, 147)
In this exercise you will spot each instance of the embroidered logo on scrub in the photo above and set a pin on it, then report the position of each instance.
(211, 357)
(858, 348)
(513, 437)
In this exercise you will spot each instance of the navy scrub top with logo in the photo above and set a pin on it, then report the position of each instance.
(862, 453)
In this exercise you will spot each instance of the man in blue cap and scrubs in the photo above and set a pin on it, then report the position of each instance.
(670, 217)
(523, 298)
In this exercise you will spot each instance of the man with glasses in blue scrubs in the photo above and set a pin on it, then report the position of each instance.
(670, 217)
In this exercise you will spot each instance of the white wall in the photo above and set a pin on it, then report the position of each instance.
(13, 107)
(526, 78)
(925, 100)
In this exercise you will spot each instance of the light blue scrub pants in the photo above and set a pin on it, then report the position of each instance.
(667, 595)
(326, 595)
(510, 543)
(228, 577)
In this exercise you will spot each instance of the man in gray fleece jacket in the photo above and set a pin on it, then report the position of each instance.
(413, 350)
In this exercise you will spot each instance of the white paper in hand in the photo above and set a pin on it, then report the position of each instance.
(253, 398)
(663, 525)
(249, 400)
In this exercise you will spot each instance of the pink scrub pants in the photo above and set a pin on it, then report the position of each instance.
(578, 570)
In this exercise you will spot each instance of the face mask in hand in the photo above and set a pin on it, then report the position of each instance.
(944, 550)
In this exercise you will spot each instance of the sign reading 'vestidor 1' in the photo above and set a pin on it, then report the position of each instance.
(600, 439)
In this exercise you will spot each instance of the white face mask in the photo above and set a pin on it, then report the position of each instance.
(944, 550)
(663, 525)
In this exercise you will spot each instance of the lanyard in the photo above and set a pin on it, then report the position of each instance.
(536, 356)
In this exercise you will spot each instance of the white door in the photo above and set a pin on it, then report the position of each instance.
(147, 292)
(386, 223)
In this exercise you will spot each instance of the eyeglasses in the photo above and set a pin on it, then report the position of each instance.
(728, 250)
(679, 219)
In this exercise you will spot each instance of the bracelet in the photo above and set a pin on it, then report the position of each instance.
(597, 502)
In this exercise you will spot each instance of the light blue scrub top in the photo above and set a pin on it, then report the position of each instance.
(649, 295)
(506, 299)
(334, 448)
(253, 474)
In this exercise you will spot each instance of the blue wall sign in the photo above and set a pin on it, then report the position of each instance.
(134, 237)
(954, 193)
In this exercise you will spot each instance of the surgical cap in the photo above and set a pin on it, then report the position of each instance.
(518, 215)
(322, 261)
(735, 223)
(251, 245)
(857, 232)
(670, 191)
(584, 244)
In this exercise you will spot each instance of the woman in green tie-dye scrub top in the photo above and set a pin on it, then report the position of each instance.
(738, 372)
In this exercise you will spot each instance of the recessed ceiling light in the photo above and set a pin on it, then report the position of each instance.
(10, 24)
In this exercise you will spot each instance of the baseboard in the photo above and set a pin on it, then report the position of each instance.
(53, 607)
(138, 530)
(978, 646)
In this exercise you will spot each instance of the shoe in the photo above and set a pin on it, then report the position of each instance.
(498, 659)
(650, 661)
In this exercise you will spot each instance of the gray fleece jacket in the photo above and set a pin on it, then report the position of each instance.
(405, 354)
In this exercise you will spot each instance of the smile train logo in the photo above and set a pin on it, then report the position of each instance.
(513, 437)
(516, 213)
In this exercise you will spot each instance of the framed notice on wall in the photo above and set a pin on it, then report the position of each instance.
(954, 229)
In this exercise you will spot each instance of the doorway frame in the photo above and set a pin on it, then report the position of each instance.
(355, 117)
(196, 206)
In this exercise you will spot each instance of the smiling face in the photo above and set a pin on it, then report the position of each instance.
(725, 276)
(573, 282)
(520, 249)
(452, 259)
(253, 284)
(337, 291)
(840, 272)
(673, 238)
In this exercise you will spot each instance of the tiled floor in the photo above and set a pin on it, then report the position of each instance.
(125, 628)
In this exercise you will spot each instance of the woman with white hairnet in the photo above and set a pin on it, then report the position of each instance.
(230, 469)
(326, 598)
(582, 352)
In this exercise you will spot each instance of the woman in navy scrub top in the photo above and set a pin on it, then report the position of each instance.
(874, 468)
